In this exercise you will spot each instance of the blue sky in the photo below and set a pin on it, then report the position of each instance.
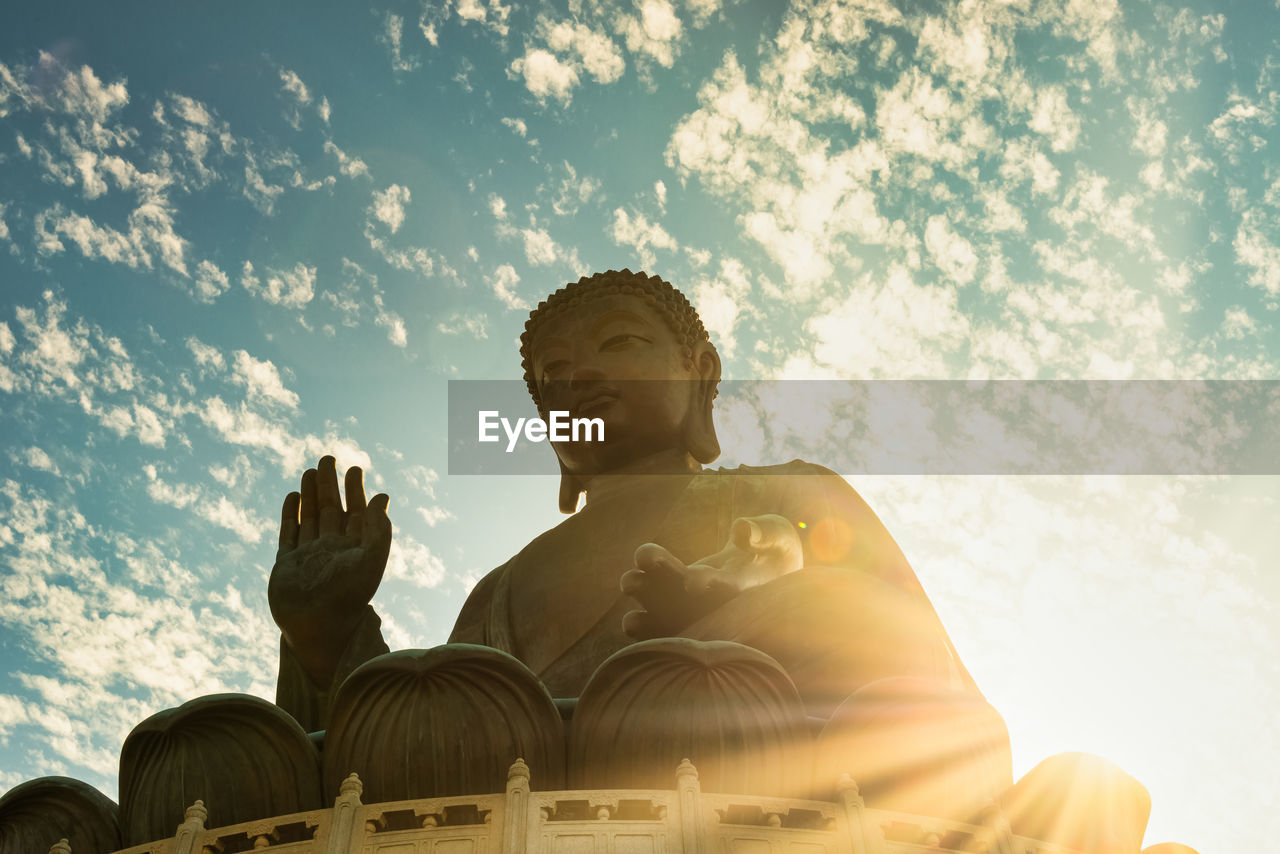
(233, 240)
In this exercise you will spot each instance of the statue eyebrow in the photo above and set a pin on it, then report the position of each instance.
(618, 314)
(611, 316)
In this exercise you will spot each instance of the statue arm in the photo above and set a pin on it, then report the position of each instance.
(328, 566)
(476, 621)
(308, 702)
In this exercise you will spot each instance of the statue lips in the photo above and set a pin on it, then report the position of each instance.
(594, 401)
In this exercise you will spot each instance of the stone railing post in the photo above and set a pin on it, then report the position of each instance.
(186, 839)
(60, 847)
(515, 823)
(689, 800)
(343, 826)
(863, 839)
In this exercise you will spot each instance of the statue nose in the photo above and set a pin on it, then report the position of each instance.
(584, 371)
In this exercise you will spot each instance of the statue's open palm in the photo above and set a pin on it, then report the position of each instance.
(673, 595)
(328, 566)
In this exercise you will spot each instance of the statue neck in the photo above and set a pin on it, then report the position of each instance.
(676, 461)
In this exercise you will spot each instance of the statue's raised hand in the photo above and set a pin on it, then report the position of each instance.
(674, 594)
(328, 567)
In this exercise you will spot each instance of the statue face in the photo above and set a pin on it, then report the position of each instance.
(614, 358)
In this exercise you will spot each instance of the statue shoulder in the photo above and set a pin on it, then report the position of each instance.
(796, 475)
(794, 467)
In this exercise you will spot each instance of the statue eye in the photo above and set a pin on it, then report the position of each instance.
(622, 340)
(552, 370)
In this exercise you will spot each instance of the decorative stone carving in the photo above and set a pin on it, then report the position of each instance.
(243, 757)
(917, 746)
(728, 708)
(444, 721)
(36, 815)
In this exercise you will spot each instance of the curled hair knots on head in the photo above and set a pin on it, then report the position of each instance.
(671, 305)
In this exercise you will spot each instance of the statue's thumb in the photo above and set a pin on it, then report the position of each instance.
(747, 535)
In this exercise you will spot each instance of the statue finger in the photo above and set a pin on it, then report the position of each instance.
(639, 625)
(376, 530)
(355, 501)
(328, 499)
(655, 558)
(307, 522)
(634, 582)
(289, 521)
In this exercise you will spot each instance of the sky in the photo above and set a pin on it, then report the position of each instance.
(235, 238)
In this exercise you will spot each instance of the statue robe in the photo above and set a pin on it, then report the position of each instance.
(855, 613)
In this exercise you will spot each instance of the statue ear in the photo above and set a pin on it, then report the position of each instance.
(570, 490)
(699, 428)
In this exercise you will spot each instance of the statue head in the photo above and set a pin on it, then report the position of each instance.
(627, 348)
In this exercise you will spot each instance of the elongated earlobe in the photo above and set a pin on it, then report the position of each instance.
(570, 490)
(699, 426)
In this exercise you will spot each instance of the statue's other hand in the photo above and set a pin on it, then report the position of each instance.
(673, 594)
(328, 566)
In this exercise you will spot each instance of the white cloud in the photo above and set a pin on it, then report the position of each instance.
(347, 165)
(388, 206)
(57, 351)
(539, 248)
(893, 330)
(1053, 118)
(390, 321)
(497, 207)
(350, 301)
(392, 36)
(1237, 324)
(37, 459)
(654, 33)
(474, 324)
(640, 234)
(210, 281)
(206, 356)
(572, 48)
(545, 76)
(256, 189)
(493, 14)
(950, 252)
(573, 192)
(503, 281)
(240, 425)
(297, 94)
(150, 236)
(412, 562)
(261, 380)
(588, 49)
(720, 301)
(702, 10)
(224, 514)
(434, 515)
(289, 288)
(517, 126)
(1257, 253)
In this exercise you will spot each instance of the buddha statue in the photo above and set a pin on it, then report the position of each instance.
(785, 558)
